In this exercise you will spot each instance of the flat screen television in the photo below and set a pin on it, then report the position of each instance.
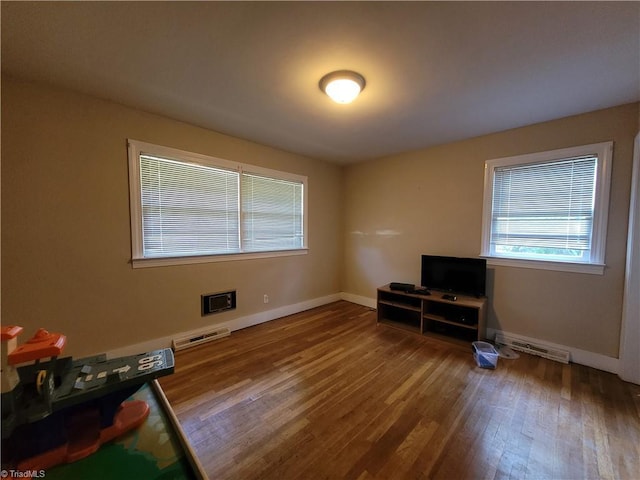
(466, 276)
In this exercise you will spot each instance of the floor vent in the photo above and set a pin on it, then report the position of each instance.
(533, 348)
(182, 343)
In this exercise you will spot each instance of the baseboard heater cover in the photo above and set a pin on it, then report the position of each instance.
(538, 349)
(188, 341)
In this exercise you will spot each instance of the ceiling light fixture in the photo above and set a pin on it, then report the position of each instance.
(342, 86)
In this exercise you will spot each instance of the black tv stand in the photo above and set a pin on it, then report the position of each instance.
(461, 321)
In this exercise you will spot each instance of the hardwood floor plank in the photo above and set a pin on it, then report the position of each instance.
(330, 394)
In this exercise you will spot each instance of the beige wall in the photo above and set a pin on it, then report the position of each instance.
(430, 201)
(66, 233)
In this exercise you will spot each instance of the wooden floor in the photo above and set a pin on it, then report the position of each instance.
(329, 394)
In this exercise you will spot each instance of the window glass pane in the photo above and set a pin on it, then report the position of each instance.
(544, 210)
(187, 209)
(272, 213)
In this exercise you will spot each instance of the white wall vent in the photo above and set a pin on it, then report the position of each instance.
(188, 341)
(533, 348)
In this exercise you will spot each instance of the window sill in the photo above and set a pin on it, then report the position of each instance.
(167, 261)
(590, 268)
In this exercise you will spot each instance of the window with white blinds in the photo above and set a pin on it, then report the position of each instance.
(271, 213)
(188, 209)
(549, 206)
(189, 206)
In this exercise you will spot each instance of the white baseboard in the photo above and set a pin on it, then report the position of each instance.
(233, 325)
(583, 357)
(360, 300)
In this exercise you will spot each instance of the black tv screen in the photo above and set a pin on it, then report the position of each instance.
(466, 276)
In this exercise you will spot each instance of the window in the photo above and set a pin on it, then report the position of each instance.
(548, 210)
(190, 208)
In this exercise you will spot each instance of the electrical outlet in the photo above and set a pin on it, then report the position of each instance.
(265, 299)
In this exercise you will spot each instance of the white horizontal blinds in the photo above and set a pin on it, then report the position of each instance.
(544, 208)
(187, 209)
(272, 213)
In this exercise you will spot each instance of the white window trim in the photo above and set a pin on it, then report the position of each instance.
(604, 152)
(136, 147)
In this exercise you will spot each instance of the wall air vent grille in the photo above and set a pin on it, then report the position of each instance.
(218, 302)
(538, 349)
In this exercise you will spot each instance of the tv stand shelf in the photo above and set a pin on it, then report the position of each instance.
(462, 320)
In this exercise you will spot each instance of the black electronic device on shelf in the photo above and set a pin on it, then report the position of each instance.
(465, 276)
(402, 287)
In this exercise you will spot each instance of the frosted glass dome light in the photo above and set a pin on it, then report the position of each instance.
(342, 86)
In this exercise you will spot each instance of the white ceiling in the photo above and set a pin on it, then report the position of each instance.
(436, 71)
